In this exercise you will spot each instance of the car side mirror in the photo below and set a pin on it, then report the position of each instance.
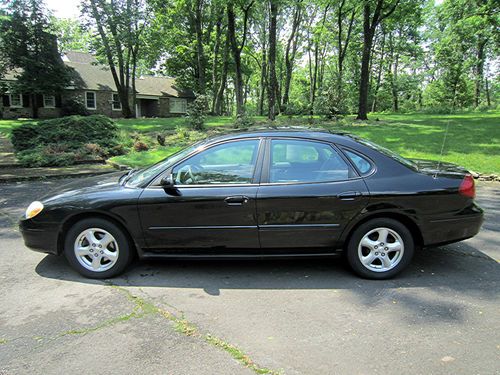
(167, 181)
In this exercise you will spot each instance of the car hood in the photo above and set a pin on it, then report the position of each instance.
(82, 186)
(440, 168)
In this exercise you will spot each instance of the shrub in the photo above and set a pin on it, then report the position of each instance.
(140, 146)
(72, 107)
(243, 122)
(64, 140)
(197, 113)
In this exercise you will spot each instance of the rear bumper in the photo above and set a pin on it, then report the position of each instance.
(440, 231)
(40, 237)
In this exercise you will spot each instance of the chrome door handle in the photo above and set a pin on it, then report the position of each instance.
(236, 200)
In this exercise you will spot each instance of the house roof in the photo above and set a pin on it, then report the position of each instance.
(78, 57)
(160, 86)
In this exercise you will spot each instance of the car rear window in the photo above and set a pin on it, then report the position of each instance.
(364, 166)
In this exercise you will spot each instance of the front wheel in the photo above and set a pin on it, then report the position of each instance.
(380, 249)
(97, 248)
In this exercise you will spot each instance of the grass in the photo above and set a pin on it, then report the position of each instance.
(142, 159)
(472, 140)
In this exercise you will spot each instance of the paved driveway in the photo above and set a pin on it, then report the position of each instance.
(292, 317)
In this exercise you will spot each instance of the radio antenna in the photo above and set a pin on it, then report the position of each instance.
(442, 148)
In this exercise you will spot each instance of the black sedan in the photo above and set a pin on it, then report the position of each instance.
(270, 193)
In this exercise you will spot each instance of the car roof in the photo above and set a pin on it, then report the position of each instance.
(293, 132)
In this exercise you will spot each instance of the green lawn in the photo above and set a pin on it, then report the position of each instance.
(473, 139)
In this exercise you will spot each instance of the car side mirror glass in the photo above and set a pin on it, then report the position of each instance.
(167, 181)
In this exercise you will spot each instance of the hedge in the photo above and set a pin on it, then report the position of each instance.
(66, 140)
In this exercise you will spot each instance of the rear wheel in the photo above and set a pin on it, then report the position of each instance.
(380, 248)
(97, 248)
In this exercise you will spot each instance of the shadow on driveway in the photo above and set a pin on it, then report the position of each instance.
(454, 270)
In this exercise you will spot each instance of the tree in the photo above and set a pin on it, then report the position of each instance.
(273, 82)
(28, 48)
(374, 11)
(71, 36)
(120, 25)
(237, 48)
(291, 50)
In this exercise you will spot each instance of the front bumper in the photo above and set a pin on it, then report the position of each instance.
(41, 237)
(440, 231)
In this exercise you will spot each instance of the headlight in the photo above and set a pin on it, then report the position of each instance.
(34, 209)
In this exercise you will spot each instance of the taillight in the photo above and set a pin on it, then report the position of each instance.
(467, 187)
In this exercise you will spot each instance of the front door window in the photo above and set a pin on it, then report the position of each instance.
(228, 163)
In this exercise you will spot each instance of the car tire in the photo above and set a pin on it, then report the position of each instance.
(97, 248)
(380, 249)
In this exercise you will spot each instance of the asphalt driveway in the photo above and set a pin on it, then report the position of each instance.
(212, 317)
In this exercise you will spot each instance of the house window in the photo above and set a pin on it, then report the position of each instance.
(116, 103)
(49, 101)
(90, 100)
(16, 100)
(178, 105)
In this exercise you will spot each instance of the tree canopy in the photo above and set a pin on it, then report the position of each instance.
(318, 57)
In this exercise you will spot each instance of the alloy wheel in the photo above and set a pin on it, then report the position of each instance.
(381, 249)
(96, 249)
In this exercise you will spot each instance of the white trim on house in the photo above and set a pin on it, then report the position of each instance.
(20, 105)
(87, 101)
(177, 105)
(139, 96)
(113, 102)
(52, 101)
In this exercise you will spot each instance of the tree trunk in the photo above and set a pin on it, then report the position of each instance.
(479, 72)
(291, 51)
(487, 89)
(218, 37)
(379, 74)
(273, 8)
(236, 51)
(365, 75)
(219, 100)
(263, 81)
(200, 56)
(370, 23)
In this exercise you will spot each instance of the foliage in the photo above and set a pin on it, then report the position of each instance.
(197, 113)
(64, 141)
(72, 107)
(71, 35)
(243, 122)
(30, 50)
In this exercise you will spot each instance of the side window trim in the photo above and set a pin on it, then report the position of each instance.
(255, 178)
(266, 167)
(373, 166)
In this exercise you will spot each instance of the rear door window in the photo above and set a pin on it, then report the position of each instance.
(302, 161)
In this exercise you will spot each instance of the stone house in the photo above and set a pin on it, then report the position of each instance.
(95, 88)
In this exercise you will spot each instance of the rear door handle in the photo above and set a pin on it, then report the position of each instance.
(236, 200)
(349, 195)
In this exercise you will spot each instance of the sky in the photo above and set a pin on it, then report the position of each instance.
(64, 8)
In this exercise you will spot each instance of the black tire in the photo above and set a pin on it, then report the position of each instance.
(125, 254)
(359, 233)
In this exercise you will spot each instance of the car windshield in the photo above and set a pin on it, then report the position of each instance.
(143, 175)
(388, 152)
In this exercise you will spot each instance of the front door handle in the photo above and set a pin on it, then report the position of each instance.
(349, 195)
(236, 200)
